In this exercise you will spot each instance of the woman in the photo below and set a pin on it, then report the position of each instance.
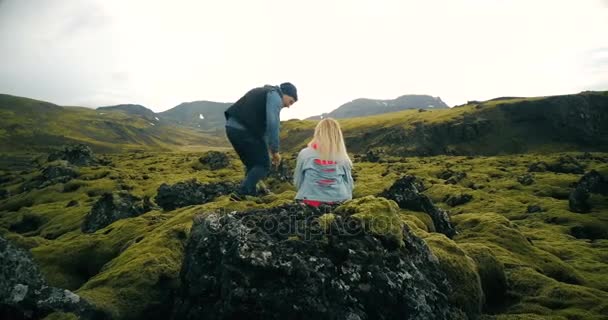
(323, 169)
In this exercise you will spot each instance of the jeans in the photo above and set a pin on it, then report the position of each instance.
(253, 152)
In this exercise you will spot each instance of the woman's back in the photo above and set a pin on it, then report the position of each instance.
(322, 180)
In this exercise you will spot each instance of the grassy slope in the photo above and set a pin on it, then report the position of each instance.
(481, 128)
(31, 125)
(130, 266)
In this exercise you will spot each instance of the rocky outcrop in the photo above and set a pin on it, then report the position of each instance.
(565, 164)
(215, 160)
(456, 200)
(24, 293)
(405, 192)
(526, 179)
(591, 182)
(57, 172)
(570, 122)
(191, 192)
(451, 177)
(78, 154)
(299, 262)
(112, 207)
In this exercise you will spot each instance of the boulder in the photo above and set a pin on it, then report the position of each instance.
(215, 160)
(24, 293)
(526, 179)
(456, 200)
(191, 192)
(405, 192)
(112, 207)
(297, 262)
(78, 154)
(591, 182)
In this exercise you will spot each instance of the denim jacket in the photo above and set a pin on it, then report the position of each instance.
(322, 180)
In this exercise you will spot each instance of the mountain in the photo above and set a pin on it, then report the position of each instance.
(205, 115)
(498, 126)
(133, 109)
(365, 107)
(32, 125)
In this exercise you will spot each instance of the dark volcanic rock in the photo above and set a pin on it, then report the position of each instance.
(533, 209)
(190, 192)
(79, 155)
(591, 182)
(283, 172)
(112, 207)
(451, 177)
(24, 294)
(215, 160)
(540, 166)
(406, 193)
(60, 172)
(526, 180)
(371, 156)
(281, 263)
(72, 203)
(452, 200)
(565, 164)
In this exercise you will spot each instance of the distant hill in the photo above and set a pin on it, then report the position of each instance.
(365, 107)
(134, 109)
(32, 125)
(204, 115)
(574, 122)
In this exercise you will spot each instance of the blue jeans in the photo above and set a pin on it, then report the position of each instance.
(253, 152)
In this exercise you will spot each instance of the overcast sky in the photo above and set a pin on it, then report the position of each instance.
(161, 53)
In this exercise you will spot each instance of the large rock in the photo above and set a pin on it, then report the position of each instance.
(78, 154)
(405, 191)
(112, 207)
(57, 172)
(565, 164)
(591, 182)
(451, 177)
(24, 293)
(294, 262)
(215, 160)
(456, 200)
(190, 192)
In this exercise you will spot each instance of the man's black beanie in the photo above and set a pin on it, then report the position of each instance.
(289, 89)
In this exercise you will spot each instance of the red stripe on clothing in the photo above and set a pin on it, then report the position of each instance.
(315, 203)
(324, 162)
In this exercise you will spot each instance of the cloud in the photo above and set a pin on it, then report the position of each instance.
(160, 54)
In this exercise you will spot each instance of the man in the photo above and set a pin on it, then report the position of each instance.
(252, 126)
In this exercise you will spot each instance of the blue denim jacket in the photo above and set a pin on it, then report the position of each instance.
(274, 104)
(322, 181)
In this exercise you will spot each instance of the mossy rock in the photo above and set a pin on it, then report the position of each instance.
(461, 272)
(491, 273)
(61, 316)
(378, 215)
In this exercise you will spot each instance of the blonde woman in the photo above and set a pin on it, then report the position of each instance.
(323, 169)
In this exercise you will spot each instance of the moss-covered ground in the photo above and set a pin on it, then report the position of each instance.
(506, 262)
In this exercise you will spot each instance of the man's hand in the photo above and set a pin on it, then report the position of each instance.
(276, 159)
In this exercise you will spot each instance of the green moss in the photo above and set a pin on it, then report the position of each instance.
(461, 272)
(326, 220)
(550, 273)
(61, 316)
(491, 273)
(378, 215)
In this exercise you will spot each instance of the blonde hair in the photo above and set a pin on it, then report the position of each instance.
(329, 140)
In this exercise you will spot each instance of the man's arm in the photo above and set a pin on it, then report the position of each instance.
(273, 121)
